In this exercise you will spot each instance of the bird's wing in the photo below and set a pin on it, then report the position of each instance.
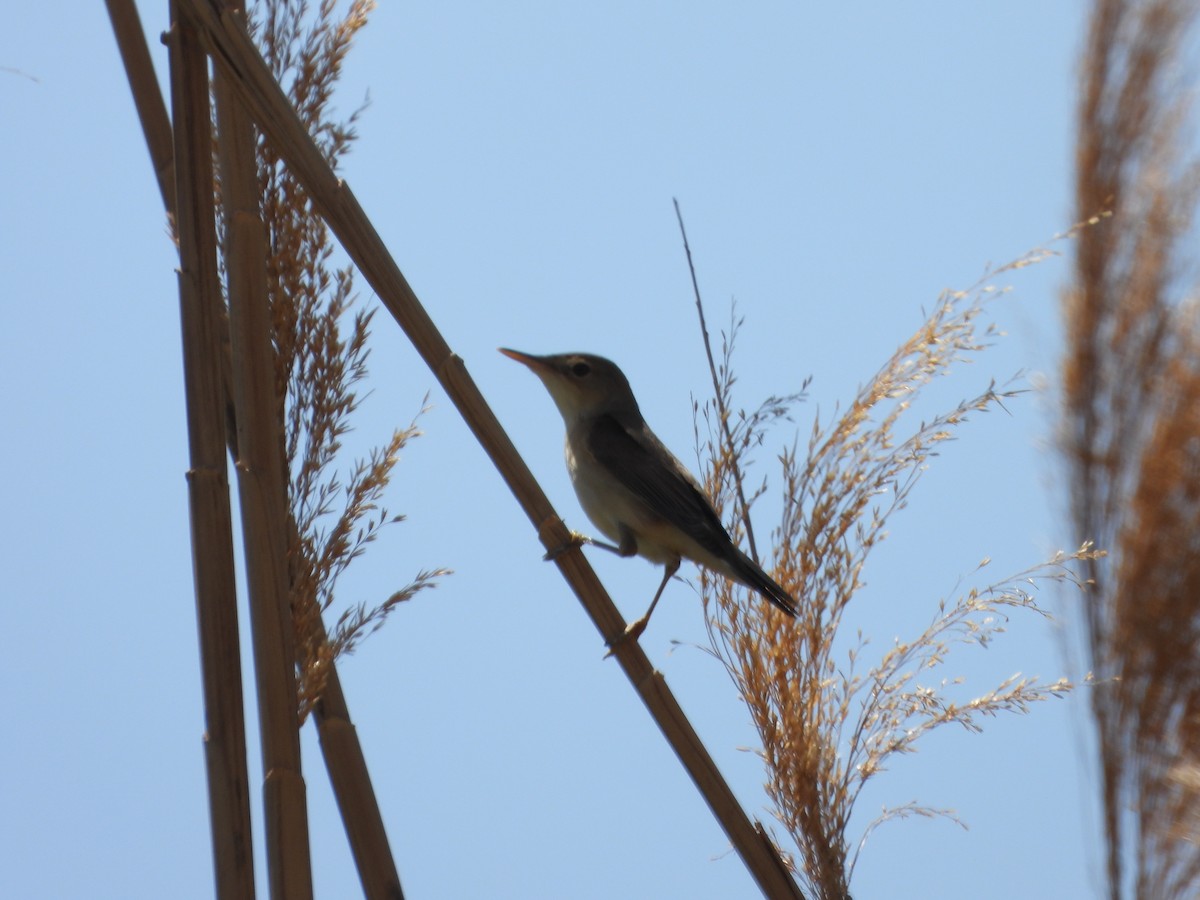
(641, 463)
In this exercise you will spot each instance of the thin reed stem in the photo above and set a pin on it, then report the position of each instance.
(262, 490)
(208, 488)
(722, 409)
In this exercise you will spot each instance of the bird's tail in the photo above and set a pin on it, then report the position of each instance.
(749, 573)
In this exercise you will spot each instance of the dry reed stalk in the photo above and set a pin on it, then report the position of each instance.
(208, 487)
(1131, 434)
(233, 51)
(342, 751)
(355, 795)
(156, 129)
(316, 370)
(262, 491)
(147, 98)
(826, 728)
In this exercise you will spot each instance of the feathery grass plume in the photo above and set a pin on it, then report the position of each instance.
(321, 348)
(826, 726)
(1131, 437)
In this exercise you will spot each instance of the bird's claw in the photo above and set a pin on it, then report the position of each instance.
(632, 632)
(574, 540)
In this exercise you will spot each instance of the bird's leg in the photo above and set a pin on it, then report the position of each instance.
(577, 540)
(634, 629)
(627, 547)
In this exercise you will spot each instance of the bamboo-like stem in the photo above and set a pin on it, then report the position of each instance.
(147, 98)
(341, 748)
(234, 52)
(263, 464)
(262, 490)
(156, 129)
(355, 796)
(208, 486)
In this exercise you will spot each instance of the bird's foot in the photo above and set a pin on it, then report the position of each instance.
(574, 540)
(579, 540)
(632, 632)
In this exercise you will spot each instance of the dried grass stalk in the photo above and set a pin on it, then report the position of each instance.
(262, 492)
(147, 98)
(208, 488)
(332, 517)
(1131, 437)
(256, 383)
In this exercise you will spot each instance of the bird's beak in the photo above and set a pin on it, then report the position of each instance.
(538, 364)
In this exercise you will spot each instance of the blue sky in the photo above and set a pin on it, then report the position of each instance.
(837, 168)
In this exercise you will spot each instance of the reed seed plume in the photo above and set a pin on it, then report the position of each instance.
(1131, 436)
(321, 350)
(829, 722)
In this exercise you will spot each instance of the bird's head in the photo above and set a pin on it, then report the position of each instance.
(581, 384)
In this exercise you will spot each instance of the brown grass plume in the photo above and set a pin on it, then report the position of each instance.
(828, 721)
(321, 349)
(1131, 437)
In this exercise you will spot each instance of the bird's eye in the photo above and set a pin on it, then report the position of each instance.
(580, 369)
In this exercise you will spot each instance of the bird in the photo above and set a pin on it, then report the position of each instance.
(631, 486)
